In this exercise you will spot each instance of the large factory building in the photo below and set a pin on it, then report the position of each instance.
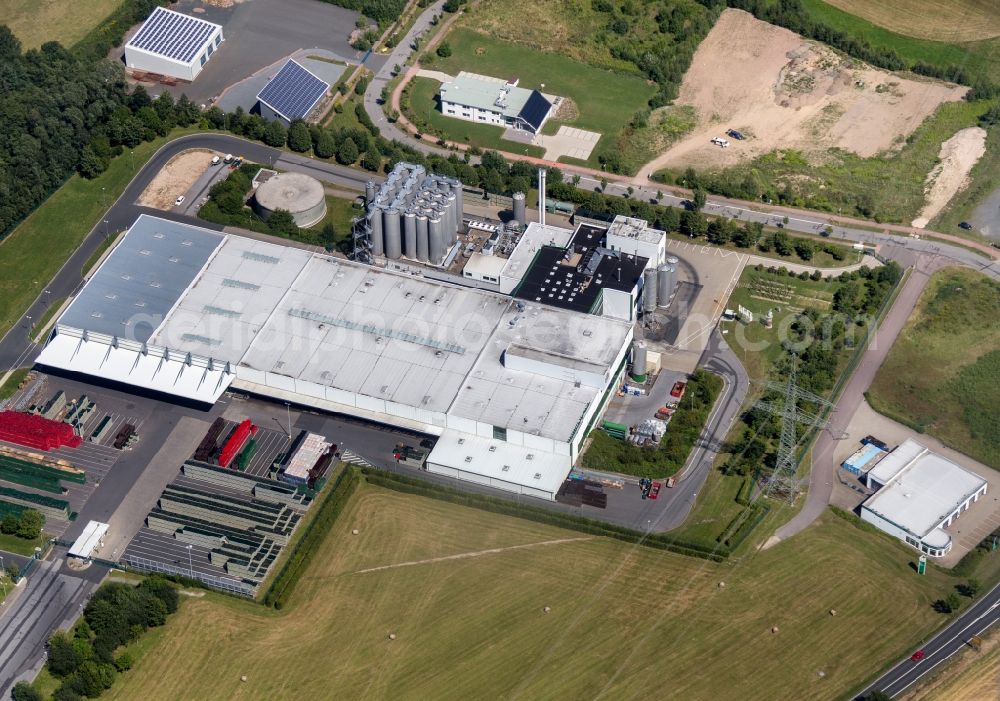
(510, 386)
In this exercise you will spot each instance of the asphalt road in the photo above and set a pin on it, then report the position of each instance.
(16, 348)
(950, 640)
(51, 598)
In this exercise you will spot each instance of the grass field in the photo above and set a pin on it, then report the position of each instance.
(937, 20)
(35, 22)
(21, 546)
(473, 627)
(57, 227)
(980, 59)
(16, 378)
(942, 375)
(421, 96)
(606, 110)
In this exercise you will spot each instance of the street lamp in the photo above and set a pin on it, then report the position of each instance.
(190, 565)
(3, 577)
(288, 409)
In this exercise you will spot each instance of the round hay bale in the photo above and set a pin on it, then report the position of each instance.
(355, 531)
(833, 612)
(722, 585)
(774, 629)
(546, 609)
(392, 636)
(822, 674)
(243, 678)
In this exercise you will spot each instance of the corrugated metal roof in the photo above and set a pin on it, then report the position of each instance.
(142, 279)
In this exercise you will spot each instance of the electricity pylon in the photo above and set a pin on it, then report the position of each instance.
(783, 481)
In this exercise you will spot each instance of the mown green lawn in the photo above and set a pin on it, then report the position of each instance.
(32, 254)
(475, 626)
(422, 97)
(605, 100)
(35, 22)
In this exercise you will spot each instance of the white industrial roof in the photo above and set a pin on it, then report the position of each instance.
(481, 264)
(173, 35)
(532, 240)
(534, 403)
(280, 315)
(88, 541)
(921, 488)
(633, 228)
(499, 460)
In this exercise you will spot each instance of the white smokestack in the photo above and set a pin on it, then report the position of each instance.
(541, 196)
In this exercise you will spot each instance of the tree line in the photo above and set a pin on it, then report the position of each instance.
(61, 113)
(86, 660)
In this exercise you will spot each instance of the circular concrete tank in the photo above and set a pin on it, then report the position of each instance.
(297, 193)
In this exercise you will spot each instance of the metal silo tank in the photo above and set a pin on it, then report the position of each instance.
(639, 361)
(390, 229)
(649, 290)
(435, 238)
(375, 226)
(422, 244)
(520, 209)
(456, 187)
(664, 284)
(410, 234)
(369, 192)
(450, 203)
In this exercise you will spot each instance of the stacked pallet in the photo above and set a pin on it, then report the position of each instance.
(36, 431)
(49, 507)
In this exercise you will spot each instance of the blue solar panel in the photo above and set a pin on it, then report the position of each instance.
(173, 35)
(293, 92)
(535, 110)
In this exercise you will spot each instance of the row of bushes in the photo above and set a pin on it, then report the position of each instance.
(27, 524)
(507, 507)
(743, 525)
(302, 553)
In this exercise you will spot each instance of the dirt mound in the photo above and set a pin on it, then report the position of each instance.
(950, 176)
(791, 93)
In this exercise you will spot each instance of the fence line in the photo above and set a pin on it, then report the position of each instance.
(230, 586)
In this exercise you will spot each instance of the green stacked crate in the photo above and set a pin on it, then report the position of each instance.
(49, 507)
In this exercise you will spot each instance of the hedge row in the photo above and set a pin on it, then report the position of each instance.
(411, 485)
(328, 511)
(743, 525)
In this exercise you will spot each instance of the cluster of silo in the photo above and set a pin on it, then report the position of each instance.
(414, 214)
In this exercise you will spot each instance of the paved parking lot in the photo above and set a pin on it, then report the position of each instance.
(568, 141)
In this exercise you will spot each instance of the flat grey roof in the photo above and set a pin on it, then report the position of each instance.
(141, 280)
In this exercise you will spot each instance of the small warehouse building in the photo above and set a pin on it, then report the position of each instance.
(173, 44)
(919, 494)
(89, 541)
(487, 100)
(291, 94)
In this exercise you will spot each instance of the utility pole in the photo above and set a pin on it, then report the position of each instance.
(783, 480)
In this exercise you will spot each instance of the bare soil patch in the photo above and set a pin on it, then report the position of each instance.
(792, 93)
(951, 175)
(176, 178)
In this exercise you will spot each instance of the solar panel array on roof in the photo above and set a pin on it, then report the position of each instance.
(293, 92)
(173, 35)
(535, 110)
